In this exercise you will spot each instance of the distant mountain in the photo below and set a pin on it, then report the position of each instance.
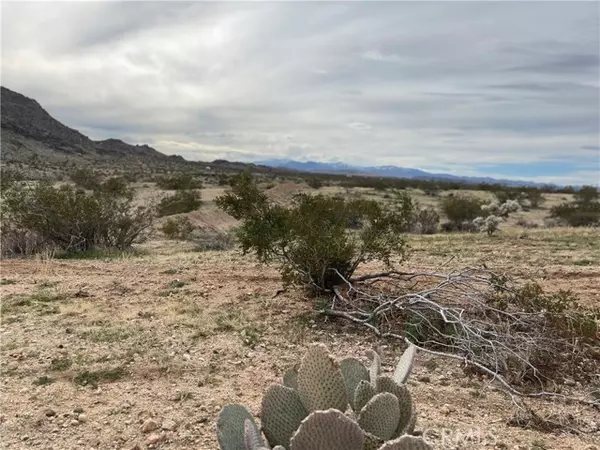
(385, 171)
(30, 132)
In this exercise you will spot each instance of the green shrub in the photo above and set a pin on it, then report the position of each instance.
(315, 183)
(183, 181)
(72, 219)
(178, 228)
(577, 214)
(179, 203)
(586, 195)
(310, 240)
(86, 178)
(426, 221)
(459, 209)
(115, 186)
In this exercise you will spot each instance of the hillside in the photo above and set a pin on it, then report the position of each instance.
(29, 132)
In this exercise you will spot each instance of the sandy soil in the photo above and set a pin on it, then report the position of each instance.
(92, 350)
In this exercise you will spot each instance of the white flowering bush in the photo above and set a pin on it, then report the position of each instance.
(501, 210)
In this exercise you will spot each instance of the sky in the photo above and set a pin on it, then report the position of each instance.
(505, 89)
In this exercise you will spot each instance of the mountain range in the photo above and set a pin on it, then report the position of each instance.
(385, 171)
(30, 134)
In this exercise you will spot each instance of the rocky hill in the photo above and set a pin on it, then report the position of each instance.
(29, 133)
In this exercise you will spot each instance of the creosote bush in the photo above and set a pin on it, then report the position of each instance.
(312, 240)
(183, 181)
(71, 219)
(460, 210)
(180, 202)
(178, 228)
(583, 212)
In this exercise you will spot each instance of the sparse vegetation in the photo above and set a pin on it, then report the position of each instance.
(460, 210)
(583, 212)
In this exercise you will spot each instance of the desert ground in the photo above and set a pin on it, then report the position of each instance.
(142, 350)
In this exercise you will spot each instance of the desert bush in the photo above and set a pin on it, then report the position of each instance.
(586, 194)
(9, 176)
(535, 197)
(182, 181)
(527, 223)
(178, 228)
(207, 239)
(86, 178)
(179, 203)
(426, 221)
(577, 214)
(311, 240)
(315, 183)
(115, 186)
(459, 209)
(74, 220)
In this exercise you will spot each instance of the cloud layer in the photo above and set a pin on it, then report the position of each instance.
(472, 88)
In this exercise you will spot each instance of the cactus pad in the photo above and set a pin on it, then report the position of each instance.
(375, 367)
(410, 427)
(328, 430)
(231, 427)
(380, 415)
(290, 378)
(407, 443)
(404, 366)
(363, 393)
(372, 442)
(386, 384)
(281, 414)
(252, 438)
(320, 382)
(353, 372)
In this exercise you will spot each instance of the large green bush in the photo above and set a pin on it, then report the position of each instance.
(179, 203)
(311, 240)
(577, 214)
(460, 208)
(72, 219)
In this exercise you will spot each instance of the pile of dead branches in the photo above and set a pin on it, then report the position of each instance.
(525, 339)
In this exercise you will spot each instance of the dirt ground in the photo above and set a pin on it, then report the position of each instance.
(92, 350)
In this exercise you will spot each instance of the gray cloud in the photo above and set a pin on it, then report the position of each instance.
(440, 86)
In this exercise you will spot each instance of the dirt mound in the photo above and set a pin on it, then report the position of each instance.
(283, 193)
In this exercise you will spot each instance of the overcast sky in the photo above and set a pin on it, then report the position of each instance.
(504, 89)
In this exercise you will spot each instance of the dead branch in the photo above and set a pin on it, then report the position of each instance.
(457, 316)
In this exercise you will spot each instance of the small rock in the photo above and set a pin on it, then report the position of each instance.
(82, 418)
(155, 438)
(78, 410)
(187, 356)
(169, 425)
(148, 426)
(74, 422)
(49, 413)
(424, 379)
(25, 438)
(570, 382)
(447, 409)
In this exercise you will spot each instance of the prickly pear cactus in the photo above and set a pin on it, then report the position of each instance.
(281, 414)
(307, 411)
(320, 382)
(231, 427)
(328, 430)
